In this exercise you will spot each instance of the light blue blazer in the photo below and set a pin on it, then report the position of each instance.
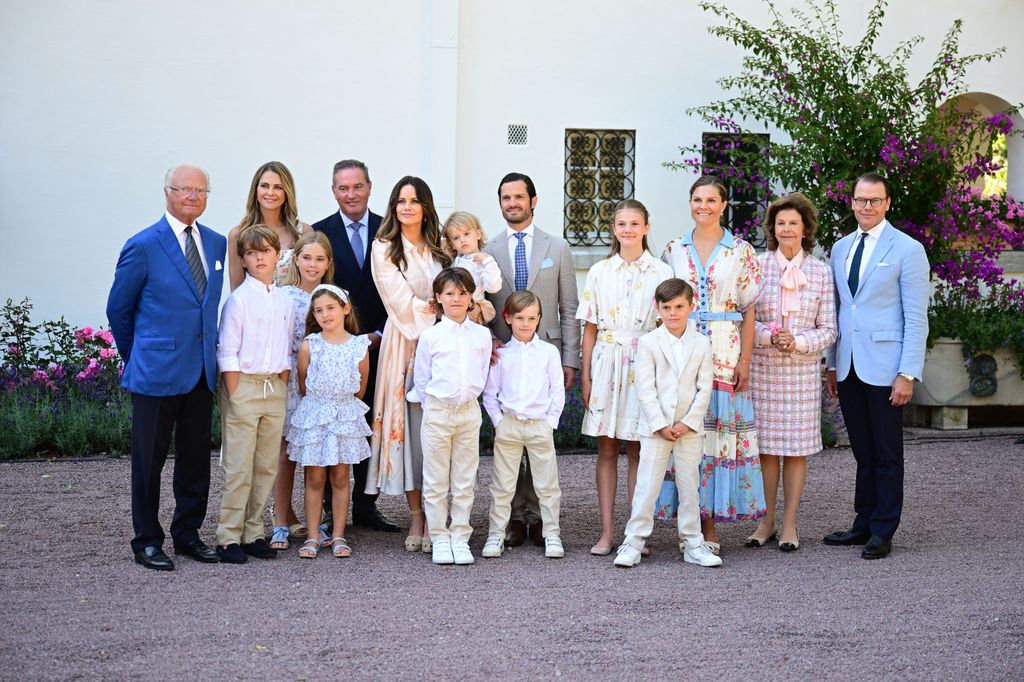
(165, 333)
(883, 329)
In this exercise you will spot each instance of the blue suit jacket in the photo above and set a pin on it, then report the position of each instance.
(884, 327)
(165, 333)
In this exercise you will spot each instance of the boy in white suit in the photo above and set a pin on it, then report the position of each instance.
(673, 379)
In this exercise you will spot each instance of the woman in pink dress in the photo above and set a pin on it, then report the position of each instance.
(405, 257)
(795, 323)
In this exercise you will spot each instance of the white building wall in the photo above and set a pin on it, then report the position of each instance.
(99, 99)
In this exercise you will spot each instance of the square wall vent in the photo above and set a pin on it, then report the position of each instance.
(517, 134)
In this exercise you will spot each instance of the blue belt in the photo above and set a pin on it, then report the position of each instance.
(704, 316)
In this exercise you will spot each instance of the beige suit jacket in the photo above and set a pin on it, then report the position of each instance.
(552, 277)
(670, 394)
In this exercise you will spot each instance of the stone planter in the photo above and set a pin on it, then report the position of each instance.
(947, 389)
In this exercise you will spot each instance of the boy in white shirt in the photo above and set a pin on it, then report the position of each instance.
(253, 356)
(673, 380)
(524, 397)
(449, 374)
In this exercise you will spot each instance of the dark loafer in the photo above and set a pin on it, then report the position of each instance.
(536, 531)
(198, 550)
(259, 549)
(847, 537)
(516, 534)
(154, 557)
(232, 554)
(374, 520)
(876, 548)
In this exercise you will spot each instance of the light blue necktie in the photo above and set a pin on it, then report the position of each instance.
(522, 275)
(357, 243)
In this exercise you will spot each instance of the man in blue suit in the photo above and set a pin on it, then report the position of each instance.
(881, 279)
(162, 311)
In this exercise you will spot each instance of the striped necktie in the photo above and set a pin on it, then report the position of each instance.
(195, 263)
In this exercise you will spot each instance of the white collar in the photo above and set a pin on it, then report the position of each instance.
(253, 282)
(177, 225)
(528, 231)
(450, 323)
(364, 221)
(617, 261)
(532, 343)
(875, 232)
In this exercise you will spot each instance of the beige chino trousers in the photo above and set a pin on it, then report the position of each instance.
(451, 455)
(511, 436)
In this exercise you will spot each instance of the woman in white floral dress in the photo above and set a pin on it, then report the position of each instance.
(726, 278)
(617, 308)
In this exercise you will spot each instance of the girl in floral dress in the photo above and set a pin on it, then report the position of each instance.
(329, 429)
(312, 264)
(617, 308)
(726, 278)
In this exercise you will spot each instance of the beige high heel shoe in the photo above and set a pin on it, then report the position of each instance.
(414, 543)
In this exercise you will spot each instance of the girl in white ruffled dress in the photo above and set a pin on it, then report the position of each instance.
(329, 427)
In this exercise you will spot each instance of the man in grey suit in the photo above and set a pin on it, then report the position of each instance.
(534, 260)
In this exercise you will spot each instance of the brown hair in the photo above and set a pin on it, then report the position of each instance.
(628, 205)
(351, 323)
(345, 164)
(289, 208)
(808, 214)
(873, 178)
(671, 288)
(520, 300)
(292, 275)
(391, 230)
(713, 181)
(257, 238)
(460, 277)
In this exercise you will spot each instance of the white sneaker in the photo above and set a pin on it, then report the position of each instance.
(463, 557)
(553, 548)
(441, 553)
(493, 548)
(627, 556)
(702, 555)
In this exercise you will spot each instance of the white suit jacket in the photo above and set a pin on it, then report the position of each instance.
(670, 393)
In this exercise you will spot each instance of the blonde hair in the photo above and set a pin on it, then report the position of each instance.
(466, 221)
(289, 209)
(292, 276)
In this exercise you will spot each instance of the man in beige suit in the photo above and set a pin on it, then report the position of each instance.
(673, 381)
(542, 263)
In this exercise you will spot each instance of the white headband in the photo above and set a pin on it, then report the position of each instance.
(337, 291)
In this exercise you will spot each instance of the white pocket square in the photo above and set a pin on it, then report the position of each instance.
(884, 265)
(218, 266)
(548, 263)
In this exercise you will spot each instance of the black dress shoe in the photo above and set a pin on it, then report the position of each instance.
(259, 549)
(231, 554)
(877, 548)
(516, 534)
(198, 550)
(373, 519)
(154, 557)
(536, 532)
(846, 537)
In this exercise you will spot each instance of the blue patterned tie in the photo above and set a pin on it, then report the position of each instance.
(522, 275)
(357, 244)
(854, 277)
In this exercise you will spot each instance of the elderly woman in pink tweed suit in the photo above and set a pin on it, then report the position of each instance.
(795, 324)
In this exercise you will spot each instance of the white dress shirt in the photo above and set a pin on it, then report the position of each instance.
(179, 231)
(256, 327)
(526, 382)
(513, 243)
(452, 361)
(364, 231)
(873, 235)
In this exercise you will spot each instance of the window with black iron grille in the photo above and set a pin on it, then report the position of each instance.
(599, 172)
(739, 161)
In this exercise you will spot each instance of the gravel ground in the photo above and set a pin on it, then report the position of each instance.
(947, 604)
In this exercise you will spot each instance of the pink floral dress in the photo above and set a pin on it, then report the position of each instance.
(731, 488)
(619, 299)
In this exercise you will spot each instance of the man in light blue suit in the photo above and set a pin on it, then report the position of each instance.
(162, 311)
(881, 279)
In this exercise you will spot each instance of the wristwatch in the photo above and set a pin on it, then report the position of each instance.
(908, 377)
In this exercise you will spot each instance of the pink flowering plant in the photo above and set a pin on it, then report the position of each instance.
(59, 387)
(843, 109)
